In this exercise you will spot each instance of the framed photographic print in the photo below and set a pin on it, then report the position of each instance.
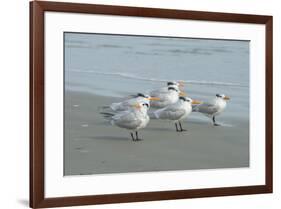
(139, 104)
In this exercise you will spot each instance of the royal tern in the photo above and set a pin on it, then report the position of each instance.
(167, 97)
(127, 104)
(132, 119)
(213, 108)
(176, 112)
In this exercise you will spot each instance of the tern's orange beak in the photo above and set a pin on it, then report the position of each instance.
(226, 98)
(154, 99)
(196, 102)
(182, 94)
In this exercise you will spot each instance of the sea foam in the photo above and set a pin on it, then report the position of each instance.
(136, 77)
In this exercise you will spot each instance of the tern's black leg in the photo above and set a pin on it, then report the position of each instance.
(132, 135)
(137, 137)
(177, 127)
(181, 127)
(214, 121)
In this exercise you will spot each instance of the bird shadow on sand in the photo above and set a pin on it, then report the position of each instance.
(109, 138)
(209, 124)
(198, 122)
(159, 129)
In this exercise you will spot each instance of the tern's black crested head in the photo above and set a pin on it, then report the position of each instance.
(219, 95)
(170, 83)
(172, 89)
(185, 99)
(182, 98)
(141, 95)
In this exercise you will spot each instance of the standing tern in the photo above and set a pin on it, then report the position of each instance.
(213, 108)
(132, 119)
(176, 112)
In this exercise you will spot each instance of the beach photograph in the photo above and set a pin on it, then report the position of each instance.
(153, 104)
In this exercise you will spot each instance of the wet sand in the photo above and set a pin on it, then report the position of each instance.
(93, 146)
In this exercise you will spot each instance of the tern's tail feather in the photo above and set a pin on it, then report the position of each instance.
(103, 108)
(107, 115)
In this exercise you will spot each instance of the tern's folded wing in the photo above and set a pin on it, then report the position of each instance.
(170, 113)
(127, 120)
(120, 106)
(207, 108)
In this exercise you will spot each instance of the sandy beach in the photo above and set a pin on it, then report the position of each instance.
(93, 146)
